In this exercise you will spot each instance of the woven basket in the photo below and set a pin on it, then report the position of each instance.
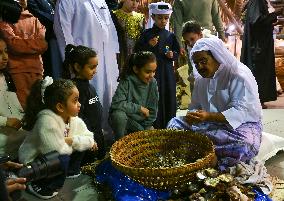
(130, 153)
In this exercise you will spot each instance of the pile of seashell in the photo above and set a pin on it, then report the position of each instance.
(212, 185)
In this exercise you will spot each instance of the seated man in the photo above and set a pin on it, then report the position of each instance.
(225, 104)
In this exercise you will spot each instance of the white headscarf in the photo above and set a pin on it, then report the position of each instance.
(154, 9)
(218, 50)
(224, 57)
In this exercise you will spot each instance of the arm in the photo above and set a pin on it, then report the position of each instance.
(3, 121)
(244, 103)
(120, 99)
(216, 18)
(63, 17)
(152, 106)
(50, 136)
(22, 44)
(175, 48)
(177, 19)
(83, 139)
(195, 103)
(266, 20)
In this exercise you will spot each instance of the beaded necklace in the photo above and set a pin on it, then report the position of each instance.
(132, 22)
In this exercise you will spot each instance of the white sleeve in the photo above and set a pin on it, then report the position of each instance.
(62, 26)
(83, 139)
(3, 121)
(241, 106)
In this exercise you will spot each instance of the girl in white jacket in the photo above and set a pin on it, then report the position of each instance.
(51, 115)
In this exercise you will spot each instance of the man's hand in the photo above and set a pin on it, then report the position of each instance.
(11, 165)
(197, 116)
(15, 184)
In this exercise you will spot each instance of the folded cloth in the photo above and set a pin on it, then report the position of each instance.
(253, 173)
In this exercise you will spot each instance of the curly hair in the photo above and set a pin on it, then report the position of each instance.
(57, 92)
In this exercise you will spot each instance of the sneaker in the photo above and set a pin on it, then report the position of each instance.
(73, 176)
(41, 192)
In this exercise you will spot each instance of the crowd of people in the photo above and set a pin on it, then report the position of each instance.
(75, 73)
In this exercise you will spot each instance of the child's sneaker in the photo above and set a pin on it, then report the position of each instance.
(73, 175)
(41, 192)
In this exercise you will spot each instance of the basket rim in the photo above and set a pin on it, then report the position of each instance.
(209, 154)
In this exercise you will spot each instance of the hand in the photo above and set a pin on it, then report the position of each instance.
(69, 140)
(11, 165)
(154, 41)
(14, 123)
(182, 51)
(13, 184)
(144, 111)
(94, 147)
(196, 117)
(170, 54)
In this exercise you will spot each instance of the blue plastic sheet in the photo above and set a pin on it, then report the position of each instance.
(124, 188)
(260, 196)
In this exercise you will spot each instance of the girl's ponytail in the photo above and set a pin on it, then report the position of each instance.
(69, 49)
(128, 67)
(34, 105)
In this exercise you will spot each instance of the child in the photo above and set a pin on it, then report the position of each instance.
(51, 115)
(93, 19)
(135, 102)
(166, 48)
(11, 112)
(129, 25)
(83, 62)
(26, 42)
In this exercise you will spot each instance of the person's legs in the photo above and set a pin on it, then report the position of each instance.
(234, 146)
(231, 146)
(74, 164)
(118, 121)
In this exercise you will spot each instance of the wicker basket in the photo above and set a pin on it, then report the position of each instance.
(130, 153)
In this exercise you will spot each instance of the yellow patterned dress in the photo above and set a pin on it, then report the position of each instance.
(129, 27)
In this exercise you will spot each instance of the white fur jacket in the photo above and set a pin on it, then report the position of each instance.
(48, 135)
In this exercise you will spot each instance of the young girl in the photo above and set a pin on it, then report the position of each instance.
(135, 102)
(51, 115)
(129, 25)
(11, 112)
(83, 62)
(165, 46)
